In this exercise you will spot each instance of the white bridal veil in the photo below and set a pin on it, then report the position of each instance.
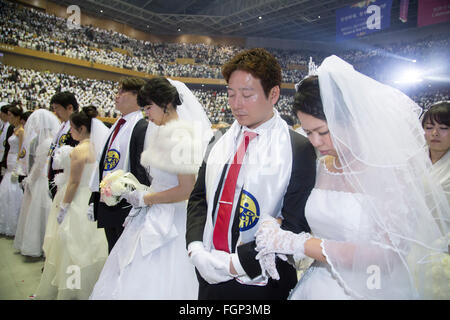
(190, 110)
(41, 125)
(381, 146)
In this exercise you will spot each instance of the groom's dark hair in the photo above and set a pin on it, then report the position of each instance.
(260, 63)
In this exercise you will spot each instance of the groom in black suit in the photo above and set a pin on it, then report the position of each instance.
(128, 141)
(63, 104)
(225, 261)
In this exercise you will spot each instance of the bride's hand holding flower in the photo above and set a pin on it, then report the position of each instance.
(136, 198)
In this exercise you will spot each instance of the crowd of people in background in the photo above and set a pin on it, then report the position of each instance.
(33, 90)
(30, 28)
(168, 235)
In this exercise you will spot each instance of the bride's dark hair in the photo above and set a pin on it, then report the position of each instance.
(160, 92)
(307, 98)
(84, 117)
(16, 110)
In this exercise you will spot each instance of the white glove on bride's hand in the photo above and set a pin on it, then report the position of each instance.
(270, 238)
(135, 198)
(213, 267)
(64, 207)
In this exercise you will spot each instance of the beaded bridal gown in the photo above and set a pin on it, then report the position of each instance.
(75, 250)
(11, 193)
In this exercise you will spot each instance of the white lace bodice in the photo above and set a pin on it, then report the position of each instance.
(13, 144)
(13, 151)
(333, 210)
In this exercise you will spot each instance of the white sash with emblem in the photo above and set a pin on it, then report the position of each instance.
(264, 176)
(117, 156)
(59, 140)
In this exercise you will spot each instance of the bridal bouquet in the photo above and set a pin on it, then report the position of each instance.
(115, 184)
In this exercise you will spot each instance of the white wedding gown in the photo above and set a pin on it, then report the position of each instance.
(75, 250)
(11, 193)
(35, 207)
(149, 261)
(334, 214)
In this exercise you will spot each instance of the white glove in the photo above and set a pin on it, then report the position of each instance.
(271, 239)
(90, 212)
(135, 198)
(213, 266)
(63, 208)
(268, 266)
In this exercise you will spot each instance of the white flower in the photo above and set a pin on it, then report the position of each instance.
(118, 188)
(116, 184)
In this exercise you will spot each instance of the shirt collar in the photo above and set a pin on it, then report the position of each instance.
(264, 127)
(131, 115)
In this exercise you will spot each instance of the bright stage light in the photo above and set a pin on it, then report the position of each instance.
(410, 76)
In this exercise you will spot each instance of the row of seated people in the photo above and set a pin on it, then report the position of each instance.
(33, 89)
(36, 30)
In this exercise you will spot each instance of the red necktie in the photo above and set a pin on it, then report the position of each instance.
(116, 130)
(220, 234)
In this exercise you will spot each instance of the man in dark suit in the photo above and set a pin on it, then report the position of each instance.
(228, 201)
(63, 104)
(122, 151)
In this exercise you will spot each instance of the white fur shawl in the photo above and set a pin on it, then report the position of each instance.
(175, 147)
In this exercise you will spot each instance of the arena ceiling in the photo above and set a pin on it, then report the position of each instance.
(282, 19)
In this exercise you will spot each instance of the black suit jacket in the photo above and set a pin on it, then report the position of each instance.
(9, 133)
(51, 173)
(114, 216)
(300, 185)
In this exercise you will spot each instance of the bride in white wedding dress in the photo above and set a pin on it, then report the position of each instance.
(75, 250)
(11, 193)
(40, 129)
(150, 261)
(374, 227)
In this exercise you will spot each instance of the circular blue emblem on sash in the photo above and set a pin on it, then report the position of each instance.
(111, 160)
(248, 211)
(63, 139)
